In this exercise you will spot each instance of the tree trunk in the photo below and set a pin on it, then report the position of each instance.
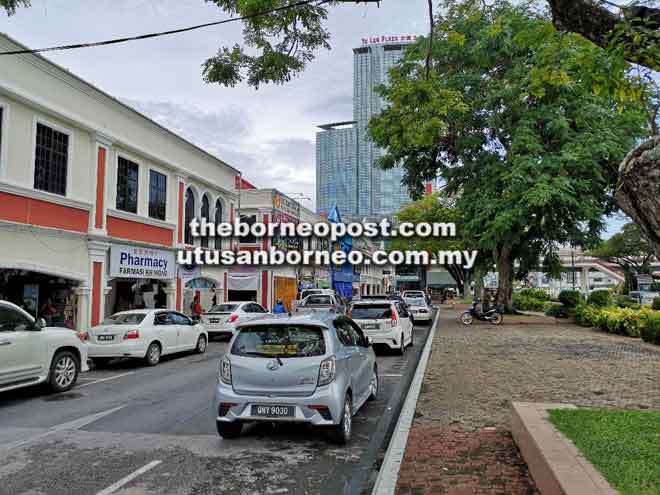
(639, 191)
(505, 279)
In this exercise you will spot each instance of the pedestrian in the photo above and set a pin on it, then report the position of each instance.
(48, 311)
(279, 308)
(196, 308)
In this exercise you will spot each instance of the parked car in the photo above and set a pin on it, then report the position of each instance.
(145, 334)
(308, 292)
(33, 353)
(386, 322)
(420, 311)
(222, 319)
(322, 302)
(316, 368)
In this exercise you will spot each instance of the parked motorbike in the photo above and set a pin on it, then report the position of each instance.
(493, 315)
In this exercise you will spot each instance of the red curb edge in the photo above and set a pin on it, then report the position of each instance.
(556, 465)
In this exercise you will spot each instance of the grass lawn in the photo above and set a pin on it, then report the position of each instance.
(623, 445)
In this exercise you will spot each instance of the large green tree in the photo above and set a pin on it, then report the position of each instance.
(435, 209)
(630, 250)
(525, 138)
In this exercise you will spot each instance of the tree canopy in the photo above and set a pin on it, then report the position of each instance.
(521, 123)
(628, 248)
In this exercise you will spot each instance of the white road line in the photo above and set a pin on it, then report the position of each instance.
(391, 376)
(87, 384)
(116, 486)
(71, 425)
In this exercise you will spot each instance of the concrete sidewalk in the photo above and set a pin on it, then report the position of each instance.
(461, 442)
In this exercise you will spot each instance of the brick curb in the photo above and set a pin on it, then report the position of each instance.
(556, 465)
(388, 474)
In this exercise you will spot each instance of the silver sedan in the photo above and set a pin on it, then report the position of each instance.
(316, 368)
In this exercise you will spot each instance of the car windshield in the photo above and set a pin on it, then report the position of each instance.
(372, 312)
(125, 319)
(309, 292)
(318, 300)
(223, 308)
(279, 340)
(416, 300)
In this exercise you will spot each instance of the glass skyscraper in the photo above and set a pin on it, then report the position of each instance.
(346, 171)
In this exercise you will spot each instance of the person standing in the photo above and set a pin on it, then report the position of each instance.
(196, 308)
(279, 308)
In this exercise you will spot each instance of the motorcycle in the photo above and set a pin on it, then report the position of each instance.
(493, 315)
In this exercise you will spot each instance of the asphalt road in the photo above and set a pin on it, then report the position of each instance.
(133, 430)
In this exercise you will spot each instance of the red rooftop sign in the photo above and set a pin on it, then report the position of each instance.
(388, 39)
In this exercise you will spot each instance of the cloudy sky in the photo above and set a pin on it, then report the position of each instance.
(268, 133)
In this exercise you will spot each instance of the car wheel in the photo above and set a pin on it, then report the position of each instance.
(229, 430)
(152, 357)
(342, 432)
(202, 344)
(412, 337)
(373, 394)
(402, 347)
(466, 318)
(64, 371)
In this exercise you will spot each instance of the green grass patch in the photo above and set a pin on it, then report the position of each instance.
(623, 445)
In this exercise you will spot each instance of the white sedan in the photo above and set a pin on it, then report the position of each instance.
(223, 318)
(386, 322)
(32, 353)
(145, 334)
(419, 310)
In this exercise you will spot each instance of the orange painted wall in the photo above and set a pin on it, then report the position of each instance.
(97, 272)
(137, 231)
(31, 211)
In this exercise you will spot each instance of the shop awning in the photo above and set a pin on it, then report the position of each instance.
(440, 280)
(242, 281)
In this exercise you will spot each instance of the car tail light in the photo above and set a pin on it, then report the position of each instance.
(394, 319)
(132, 335)
(349, 313)
(224, 408)
(232, 318)
(327, 371)
(224, 371)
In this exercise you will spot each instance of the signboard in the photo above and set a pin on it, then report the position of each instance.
(372, 40)
(286, 205)
(139, 262)
(189, 272)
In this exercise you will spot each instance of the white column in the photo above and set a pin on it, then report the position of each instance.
(82, 307)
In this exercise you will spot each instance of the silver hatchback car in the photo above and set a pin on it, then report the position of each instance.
(316, 368)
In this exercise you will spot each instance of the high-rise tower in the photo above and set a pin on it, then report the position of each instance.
(370, 191)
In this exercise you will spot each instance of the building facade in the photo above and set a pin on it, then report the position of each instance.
(95, 197)
(373, 192)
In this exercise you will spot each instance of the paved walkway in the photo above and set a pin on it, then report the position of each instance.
(461, 442)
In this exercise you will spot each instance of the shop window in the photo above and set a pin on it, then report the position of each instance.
(157, 194)
(127, 185)
(189, 215)
(249, 238)
(50, 160)
(218, 221)
(205, 215)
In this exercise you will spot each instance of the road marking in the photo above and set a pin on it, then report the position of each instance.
(105, 379)
(76, 424)
(391, 376)
(116, 486)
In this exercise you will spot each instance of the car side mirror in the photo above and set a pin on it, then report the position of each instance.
(39, 324)
(370, 341)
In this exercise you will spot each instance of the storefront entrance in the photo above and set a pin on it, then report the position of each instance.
(127, 294)
(42, 295)
(243, 287)
(208, 291)
(284, 288)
